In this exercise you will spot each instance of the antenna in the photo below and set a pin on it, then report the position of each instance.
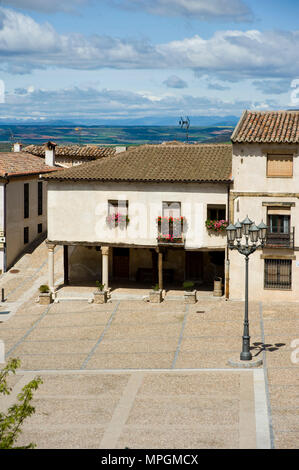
(78, 129)
(185, 124)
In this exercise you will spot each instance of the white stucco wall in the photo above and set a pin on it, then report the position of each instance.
(77, 212)
(249, 168)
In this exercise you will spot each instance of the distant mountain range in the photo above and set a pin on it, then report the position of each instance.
(146, 121)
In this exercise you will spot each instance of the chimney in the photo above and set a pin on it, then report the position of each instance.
(50, 154)
(120, 149)
(17, 147)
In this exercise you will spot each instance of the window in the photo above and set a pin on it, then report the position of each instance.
(216, 212)
(168, 227)
(279, 224)
(171, 209)
(118, 207)
(26, 235)
(26, 200)
(40, 198)
(280, 166)
(40, 228)
(278, 274)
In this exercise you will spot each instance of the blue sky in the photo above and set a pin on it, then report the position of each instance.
(107, 59)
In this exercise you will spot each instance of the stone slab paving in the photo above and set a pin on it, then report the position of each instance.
(133, 374)
(143, 409)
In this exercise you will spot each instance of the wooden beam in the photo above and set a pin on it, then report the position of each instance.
(160, 269)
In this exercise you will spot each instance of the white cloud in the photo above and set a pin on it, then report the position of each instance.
(231, 55)
(223, 10)
(90, 103)
(49, 6)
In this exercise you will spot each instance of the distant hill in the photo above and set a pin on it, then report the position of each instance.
(145, 121)
(112, 135)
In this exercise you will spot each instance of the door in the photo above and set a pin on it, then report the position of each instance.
(194, 265)
(121, 263)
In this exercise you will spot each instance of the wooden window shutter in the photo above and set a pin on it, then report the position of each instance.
(280, 165)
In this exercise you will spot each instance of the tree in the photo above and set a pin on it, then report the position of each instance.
(12, 420)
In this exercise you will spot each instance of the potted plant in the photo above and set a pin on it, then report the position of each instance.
(45, 296)
(189, 292)
(155, 295)
(100, 295)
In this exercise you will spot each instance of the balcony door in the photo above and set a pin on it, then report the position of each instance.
(171, 209)
(279, 226)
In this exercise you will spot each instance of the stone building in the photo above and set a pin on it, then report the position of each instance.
(141, 216)
(23, 203)
(265, 169)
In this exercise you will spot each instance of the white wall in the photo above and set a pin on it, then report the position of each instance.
(77, 211)
(249, 168)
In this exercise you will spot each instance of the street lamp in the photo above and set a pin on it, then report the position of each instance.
(248, 229)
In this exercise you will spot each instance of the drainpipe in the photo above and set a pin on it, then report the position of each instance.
(227, 262)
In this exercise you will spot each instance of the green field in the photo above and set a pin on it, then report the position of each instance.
(106, 135)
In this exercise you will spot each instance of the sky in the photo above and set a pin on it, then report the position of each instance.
(119, 59)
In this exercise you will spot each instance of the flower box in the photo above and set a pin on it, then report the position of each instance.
(217, 226)
(162, 238)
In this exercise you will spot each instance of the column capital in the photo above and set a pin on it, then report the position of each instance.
(50, 246)
(105, 250)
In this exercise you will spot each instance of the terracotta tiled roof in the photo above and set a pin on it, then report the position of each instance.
(73, 151)
(21, 163)
(158, 163)
(267, 127)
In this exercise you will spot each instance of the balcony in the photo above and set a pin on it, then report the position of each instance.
(170, 231)
(281, 240)
(169, 239)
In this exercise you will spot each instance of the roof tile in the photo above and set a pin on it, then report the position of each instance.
(157, 163)
(267, 127)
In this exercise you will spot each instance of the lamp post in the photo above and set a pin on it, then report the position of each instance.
(236, 232)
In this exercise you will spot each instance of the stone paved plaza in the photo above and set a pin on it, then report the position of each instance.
(139, 375)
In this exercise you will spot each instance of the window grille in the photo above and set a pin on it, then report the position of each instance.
(278, 274)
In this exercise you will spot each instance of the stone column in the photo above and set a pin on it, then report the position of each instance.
(105, 266)
(51, 247)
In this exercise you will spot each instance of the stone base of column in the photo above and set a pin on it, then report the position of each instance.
(236, 362)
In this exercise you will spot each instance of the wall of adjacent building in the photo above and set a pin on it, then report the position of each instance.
(15, 221)
(252, 190)
(77, 212)
(2, 224)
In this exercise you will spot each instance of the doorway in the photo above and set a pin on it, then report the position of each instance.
(121, 263)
